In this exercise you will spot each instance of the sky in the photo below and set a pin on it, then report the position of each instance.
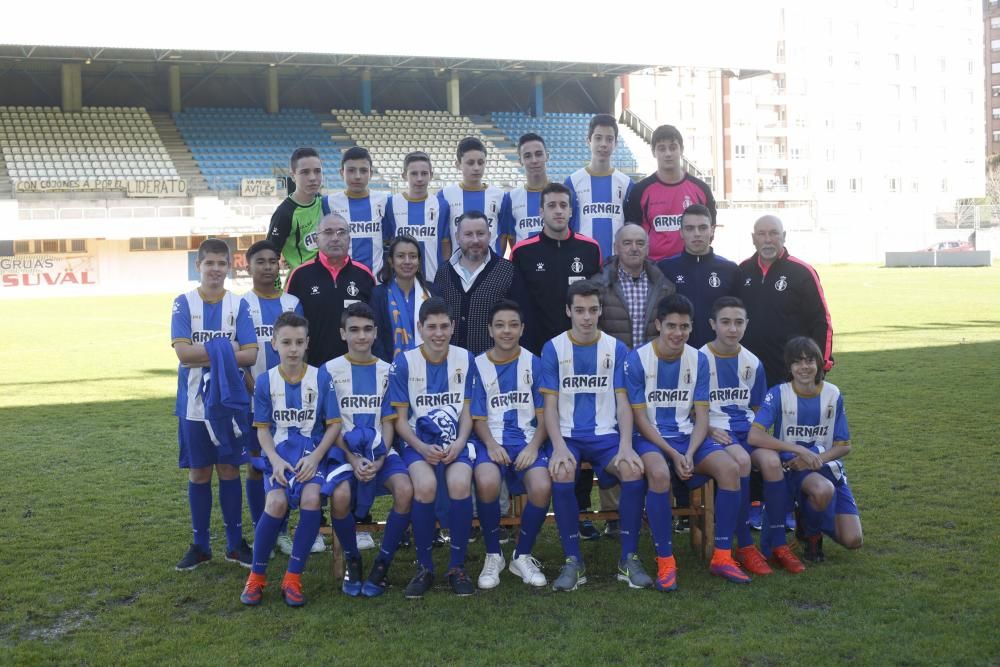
(723, 33)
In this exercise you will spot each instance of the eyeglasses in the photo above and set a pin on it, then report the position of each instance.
(339, 233)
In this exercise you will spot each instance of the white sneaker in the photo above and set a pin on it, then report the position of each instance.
(285, 544)
(319, 546)
(490, 576)
(529, 569)
(365, 541)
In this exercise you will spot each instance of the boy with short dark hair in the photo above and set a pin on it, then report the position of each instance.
(430, 387)
(360, 381)
(199, 316)
(599, 190)
(587, 417)
(417, 214)
(512, 442)
(263, 304)
(811, 436)
(297, 421)
(471, 194)
(520, 212)
(668, 386)
(736, 389)
(293, 224)
(362, 208)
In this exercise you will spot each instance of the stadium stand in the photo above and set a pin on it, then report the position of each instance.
(117, 142)
(390, 136)
(230, 144)
(565, 136)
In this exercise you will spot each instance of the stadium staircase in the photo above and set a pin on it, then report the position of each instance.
(180, 154)
(230, 144)
(391, 135)
(565, 137)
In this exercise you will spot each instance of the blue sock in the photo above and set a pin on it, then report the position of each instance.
(743, 535)
(660, 514)
(489, 522)
(727, 505)
(630, 515)
(460, 520)
(346, 533)
(305, 535)
(422, 518)
(200, 500)
(395, 526)
(531, 522)
(264, 538)
(812, 518)
(231, 504)
(775, 502)
(567, 518)
(255, 498)
(442, 503)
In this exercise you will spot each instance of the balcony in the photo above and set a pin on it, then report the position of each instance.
(773, 129)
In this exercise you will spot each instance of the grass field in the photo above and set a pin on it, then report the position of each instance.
(93, 516)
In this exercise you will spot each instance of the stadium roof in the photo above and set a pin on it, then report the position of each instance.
(512, 36)
(89, 54)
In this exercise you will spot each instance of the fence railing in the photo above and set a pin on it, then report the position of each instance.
(105, 212)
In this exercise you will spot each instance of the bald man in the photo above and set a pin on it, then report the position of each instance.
(784, 299)
(327, 285)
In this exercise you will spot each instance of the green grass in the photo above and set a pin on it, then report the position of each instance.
(93, 515)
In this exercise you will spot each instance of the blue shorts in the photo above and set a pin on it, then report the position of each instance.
(293, 492)
(466, 456)
(514, 478)
(197, 449)
(741, 440)
(253, 442)
(599, 451)
(681, 444)
(843, 498)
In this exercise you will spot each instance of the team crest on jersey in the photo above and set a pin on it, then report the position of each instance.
(782, 284)
(619, 192)
(577, 265)
(352, 289)
(385, 382)
(540, 267)
(713, 280)
(527, 376)
(310, 397)
(378, 211)
(458, 376)
(607, 362)
(687, 201)
(493, 207)
(687, 376)
(430, 216)
(746, 373)
(314, 290)
(829, 411)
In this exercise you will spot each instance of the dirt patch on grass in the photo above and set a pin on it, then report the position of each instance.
(65, 623)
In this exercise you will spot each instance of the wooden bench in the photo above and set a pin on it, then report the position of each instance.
(701, 512)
